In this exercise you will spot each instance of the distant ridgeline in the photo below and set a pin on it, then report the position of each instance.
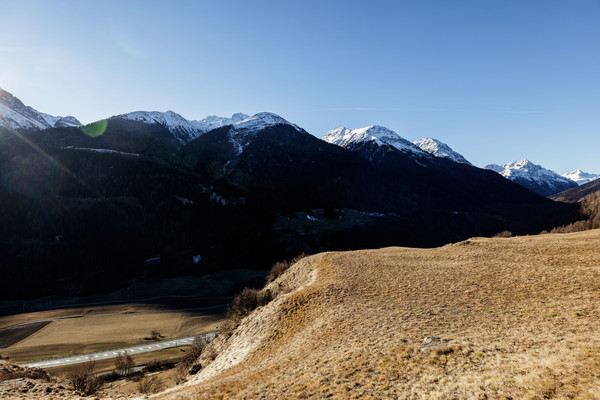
(90, 209)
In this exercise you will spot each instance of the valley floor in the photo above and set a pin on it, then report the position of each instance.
(502, 318)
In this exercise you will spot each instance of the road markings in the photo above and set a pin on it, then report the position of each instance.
(111, 353)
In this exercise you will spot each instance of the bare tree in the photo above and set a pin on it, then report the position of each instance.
(83, 379)
(124, 363)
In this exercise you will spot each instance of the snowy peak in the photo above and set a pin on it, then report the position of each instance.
(534, 177)
(381, 135)
(580, 177)
(16, 115)
(184, 130)
(213, 122)
(243, 131)
(169, 119)
(439, 149)
(260, 121)
(524, 169)
(237, 117)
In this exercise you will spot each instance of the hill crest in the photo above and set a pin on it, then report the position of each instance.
(482, 308)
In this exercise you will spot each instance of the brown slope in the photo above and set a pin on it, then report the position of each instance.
(516, 318)
(577, 194)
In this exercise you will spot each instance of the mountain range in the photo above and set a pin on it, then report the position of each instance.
(85, 208)
(15, 115)
(531, 176)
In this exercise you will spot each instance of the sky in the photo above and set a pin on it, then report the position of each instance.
(498, 81)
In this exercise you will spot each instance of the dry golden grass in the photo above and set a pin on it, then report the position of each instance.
(84, 335)
(76, 312)
(517, 318)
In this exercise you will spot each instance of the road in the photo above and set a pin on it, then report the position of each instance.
(103, 355)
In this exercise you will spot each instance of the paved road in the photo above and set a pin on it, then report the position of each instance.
(132, 350)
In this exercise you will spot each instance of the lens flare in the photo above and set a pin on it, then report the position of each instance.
(95, 129)
(47, 156)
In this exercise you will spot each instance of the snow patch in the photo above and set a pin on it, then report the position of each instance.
(101, 151)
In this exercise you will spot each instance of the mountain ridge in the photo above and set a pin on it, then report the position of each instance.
(534, 177)
(380, 135)
(580, 177)
(16, 115)
(183, 129)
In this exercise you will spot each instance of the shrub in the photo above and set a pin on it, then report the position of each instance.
(111, 376)
(231, 322)
(503, 234)
(280, 267)
(198, 346)
(243, 304)
(158, 365)
(31, 373)
(83, 379)
(249, 300)
(277, 270)
(155, 335)
(181, 373)
(150, 385)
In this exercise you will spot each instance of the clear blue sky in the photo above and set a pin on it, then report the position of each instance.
(496, 80)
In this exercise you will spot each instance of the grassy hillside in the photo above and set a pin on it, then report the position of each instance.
(503, 318)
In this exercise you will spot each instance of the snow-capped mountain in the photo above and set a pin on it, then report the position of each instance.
(16, 115)
(260, 121)
(581, 177)
(380, 135)
(440, 149)
(183, 129)
(242, 131)
(534, 177)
